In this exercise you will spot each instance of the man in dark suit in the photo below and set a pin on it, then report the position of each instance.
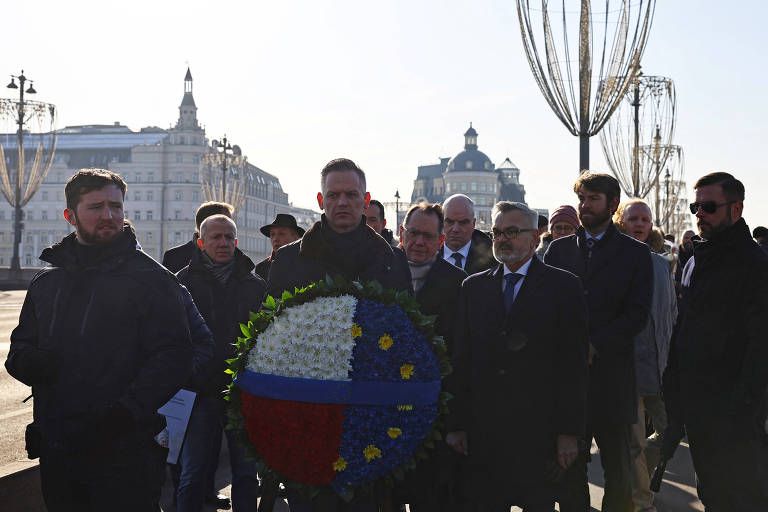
(464, 246)
(282, 231)
(176, 258)
(436, 283)
(617, 275)
(520, 371)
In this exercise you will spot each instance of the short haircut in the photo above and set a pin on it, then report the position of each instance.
(342, 164)
(543, 221)
(759, 232)
(380, 206)
(216, 218)
(618, 216)
(599, 182)
(88, 180)
(508, 206)
(430, 209)
(212, 208)
(733, 189)
(460, 196)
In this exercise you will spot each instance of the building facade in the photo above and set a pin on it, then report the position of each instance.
(470, 172)
(162, 169)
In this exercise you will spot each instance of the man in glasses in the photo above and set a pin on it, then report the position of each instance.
(617, 274)
(436, 285)
(520, 371)
(717, 377)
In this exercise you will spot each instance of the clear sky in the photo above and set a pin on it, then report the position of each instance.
(392, 85)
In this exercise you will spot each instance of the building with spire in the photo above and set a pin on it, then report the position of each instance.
(162, 169)
(470, 172)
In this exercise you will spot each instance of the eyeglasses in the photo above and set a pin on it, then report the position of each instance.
(509, 233)
(707, 206)
(563, 229)
(413, 234)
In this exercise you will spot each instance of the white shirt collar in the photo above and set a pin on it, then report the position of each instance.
(522, 270)
(464, 251)
(596, 237)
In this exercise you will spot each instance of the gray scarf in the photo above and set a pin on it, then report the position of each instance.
(221, 271)
(419, 272)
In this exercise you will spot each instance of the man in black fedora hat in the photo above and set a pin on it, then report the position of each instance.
(282, 231)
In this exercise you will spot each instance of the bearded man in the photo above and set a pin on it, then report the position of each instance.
(103, 340)
(716, 384)
(520, 375)
(617, 275)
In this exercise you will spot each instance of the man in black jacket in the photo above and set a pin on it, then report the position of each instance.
(340, 242)
(436, 283)
(520, 381)
(104, 342)
(220, 279)
(282, 231)
(176, 258)
(465, 247)
(716, 382)
(617, 275)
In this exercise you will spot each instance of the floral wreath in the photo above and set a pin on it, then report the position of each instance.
(338, 384)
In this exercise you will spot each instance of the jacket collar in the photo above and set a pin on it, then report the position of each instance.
(64, 253)
(243, 264)
(317, 244)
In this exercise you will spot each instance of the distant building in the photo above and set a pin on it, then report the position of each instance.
(471, 172)
(162, 169)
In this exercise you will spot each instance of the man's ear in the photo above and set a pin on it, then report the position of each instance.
(614, 205)
(736, 210)
(235, 242)
(442, 239)
(69, 215)
(400, 232)
(367, 197)
(320, 200)
(383, 223)
(200, 243)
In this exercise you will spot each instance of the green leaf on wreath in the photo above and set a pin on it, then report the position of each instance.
(270, 302)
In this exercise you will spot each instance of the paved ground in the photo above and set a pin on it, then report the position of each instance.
(678, 492)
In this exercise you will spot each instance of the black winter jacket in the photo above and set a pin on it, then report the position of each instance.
(224, 308)
(176, 258)
(361, 254)
(617, 276)
(718, 362)
(111, 330)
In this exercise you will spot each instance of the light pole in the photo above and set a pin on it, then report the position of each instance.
(17, 225)
(397, 210)
(225, 149)
(666, 201)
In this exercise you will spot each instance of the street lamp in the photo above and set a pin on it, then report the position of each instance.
(20, 186)
(666, 200)
(397, 209)
(225, 149)
(227, 158)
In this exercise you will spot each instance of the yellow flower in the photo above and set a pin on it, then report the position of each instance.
(407, 407)
(356, 331)
(385, 342)
(406, 371)
(340, 464)
(371, 452)
(394, 432)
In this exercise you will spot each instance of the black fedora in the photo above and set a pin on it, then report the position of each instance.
(282, 220)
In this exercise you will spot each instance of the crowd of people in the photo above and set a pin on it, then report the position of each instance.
(584, 326)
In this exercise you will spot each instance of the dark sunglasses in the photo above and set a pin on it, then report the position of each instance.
(707, 206)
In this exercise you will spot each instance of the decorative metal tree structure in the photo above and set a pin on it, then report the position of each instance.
(637, 139)
(22, 172)
(562, 58)
(668, 188)
(223, 174)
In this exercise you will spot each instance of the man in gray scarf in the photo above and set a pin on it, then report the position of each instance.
(436, 283)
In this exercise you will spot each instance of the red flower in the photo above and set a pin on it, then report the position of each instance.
(297, 439)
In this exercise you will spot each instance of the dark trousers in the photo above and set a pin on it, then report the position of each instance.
(124, 477)
(730, 456)
(616, 459)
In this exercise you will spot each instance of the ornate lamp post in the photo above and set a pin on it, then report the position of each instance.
(397, 209)
(229, 159)
(18, 188)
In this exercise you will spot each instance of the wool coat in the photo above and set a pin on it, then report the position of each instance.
(617, 277)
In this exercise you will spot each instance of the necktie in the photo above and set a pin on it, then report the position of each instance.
(457, 257)
(509, 289)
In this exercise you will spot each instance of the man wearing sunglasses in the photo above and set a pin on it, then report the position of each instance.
(617, 274)
(520, 371)
(717, 377)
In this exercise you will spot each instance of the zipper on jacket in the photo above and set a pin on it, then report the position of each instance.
(85, 316)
